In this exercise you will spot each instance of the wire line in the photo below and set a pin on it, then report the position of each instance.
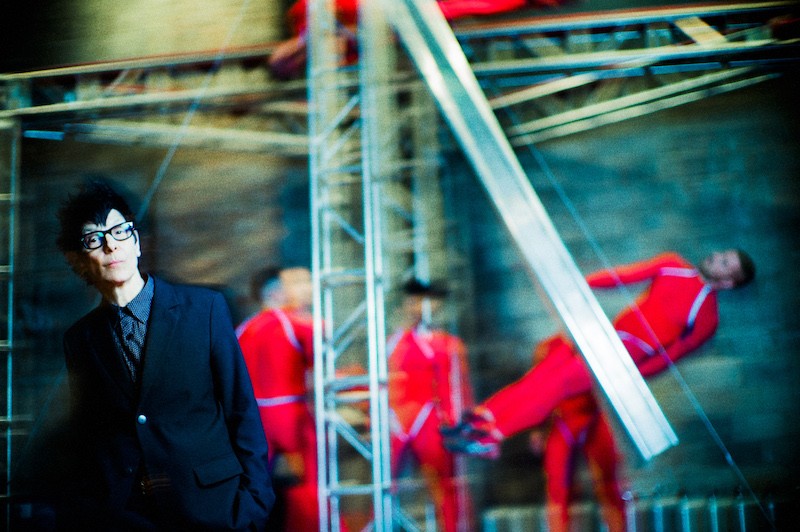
(162, 169)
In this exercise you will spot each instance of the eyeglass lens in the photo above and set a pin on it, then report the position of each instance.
(119, 232)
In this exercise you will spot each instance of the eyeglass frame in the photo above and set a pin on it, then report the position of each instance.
(110, 232)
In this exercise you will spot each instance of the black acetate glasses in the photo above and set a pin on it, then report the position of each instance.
(96, 239)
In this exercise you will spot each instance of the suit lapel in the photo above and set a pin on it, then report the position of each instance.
(164, 316)
(104, 349)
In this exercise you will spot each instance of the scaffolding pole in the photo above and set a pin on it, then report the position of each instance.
(9, 180)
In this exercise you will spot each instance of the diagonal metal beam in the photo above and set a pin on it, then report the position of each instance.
(433, 48)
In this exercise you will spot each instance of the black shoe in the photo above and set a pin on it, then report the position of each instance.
(483, 447)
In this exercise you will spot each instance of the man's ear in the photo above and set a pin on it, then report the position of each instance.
(137, 242)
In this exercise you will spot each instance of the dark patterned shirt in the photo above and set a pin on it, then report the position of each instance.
(130, 327)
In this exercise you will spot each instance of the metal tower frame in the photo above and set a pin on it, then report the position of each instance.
(554, 76)
(9, 181)
(375, 201)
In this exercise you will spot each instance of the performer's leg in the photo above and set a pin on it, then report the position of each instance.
(438, 466)
(299, 441)
(558, 468)
(530, 400)
(602, 456)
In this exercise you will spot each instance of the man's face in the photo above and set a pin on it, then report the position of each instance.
(115, 262)
(722, 269)
(297, 288)
(415, 306)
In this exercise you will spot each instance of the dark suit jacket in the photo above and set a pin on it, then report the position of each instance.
(192, 423)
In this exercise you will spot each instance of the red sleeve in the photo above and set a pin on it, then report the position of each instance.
(704, 327)
(633, 273)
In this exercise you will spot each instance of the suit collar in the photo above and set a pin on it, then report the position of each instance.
(100, 341)
(164, 316)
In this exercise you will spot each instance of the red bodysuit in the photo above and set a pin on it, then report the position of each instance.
(278, 350)
(579, 426)
(674, 316)
(428, 387)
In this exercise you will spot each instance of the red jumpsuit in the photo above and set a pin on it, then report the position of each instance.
(278, 350)
(347, 10)
(674, 316)
(428, 388)
(580, 426)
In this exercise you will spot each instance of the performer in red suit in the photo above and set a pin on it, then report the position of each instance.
(673, 317)
(428, 388)
(578, 426)
(278, 349)
(289, 57)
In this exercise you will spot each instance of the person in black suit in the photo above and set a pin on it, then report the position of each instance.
(165, 432)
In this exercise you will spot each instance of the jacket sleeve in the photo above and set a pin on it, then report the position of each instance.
(235, 394)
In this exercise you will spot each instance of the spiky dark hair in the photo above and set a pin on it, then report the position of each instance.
(91, 204)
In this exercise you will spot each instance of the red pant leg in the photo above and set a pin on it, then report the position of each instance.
(558, 467)
(529, 401)
(603, 458)
(438, 466)
(290, 429)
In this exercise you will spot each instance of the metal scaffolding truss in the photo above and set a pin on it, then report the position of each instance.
(550, 76)
(376, 221)
(235, 103)
(9, 177)
(555, 76)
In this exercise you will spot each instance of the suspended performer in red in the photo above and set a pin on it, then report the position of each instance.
(428, 389)
(277, 344)
(674, 316)
(289, 57)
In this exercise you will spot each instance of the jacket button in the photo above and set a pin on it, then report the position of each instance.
(142, 419)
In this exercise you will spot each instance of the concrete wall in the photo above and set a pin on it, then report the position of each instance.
(50, 33)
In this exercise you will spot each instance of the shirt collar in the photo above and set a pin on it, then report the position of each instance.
(139, 306)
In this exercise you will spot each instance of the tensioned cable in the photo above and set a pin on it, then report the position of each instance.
(162, 169)
(595, 246)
